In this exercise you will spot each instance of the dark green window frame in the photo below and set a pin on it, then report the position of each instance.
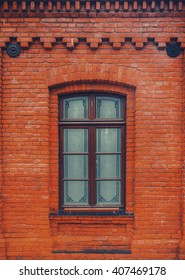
(92, 153)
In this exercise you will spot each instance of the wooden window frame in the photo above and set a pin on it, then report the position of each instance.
(91, 123)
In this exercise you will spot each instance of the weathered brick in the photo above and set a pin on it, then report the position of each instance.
(127, 56)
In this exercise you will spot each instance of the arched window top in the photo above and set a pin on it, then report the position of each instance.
(92, 106)
(75, 108)
(108, 107)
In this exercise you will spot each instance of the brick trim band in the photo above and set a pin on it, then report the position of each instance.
(91, 7)
(94, 43)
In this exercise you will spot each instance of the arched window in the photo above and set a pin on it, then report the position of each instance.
(92, 130)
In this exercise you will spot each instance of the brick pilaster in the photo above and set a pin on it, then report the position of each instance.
(2, 242)
(182, 243)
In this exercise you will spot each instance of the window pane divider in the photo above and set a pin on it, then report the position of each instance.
(73, 153)
(108, 179)
(107, 122)
(107, 153)
(75, 179)
(92, 209)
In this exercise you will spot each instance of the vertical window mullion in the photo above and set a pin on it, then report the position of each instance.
(92, 150)
(61, 157)
(92, 167)
(89, 166)
(123, 165)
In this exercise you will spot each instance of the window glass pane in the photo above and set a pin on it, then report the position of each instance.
(108, 140)
(107, 107)
(107, 166)
(108, 192)
(75, 192)
(75, 108)
(75, 140)
(75, 166)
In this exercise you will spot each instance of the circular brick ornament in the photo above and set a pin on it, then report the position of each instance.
(173, 50)
(13, 49)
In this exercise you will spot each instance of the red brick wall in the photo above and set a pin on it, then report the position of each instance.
(115, 48)
(2, 241)
(182, 243)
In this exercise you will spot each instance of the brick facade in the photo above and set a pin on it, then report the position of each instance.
(102, 46)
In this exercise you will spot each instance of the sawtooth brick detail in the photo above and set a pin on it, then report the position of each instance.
(81, 46)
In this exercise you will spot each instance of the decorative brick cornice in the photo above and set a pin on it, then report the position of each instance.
(90, 8)
(94, 43)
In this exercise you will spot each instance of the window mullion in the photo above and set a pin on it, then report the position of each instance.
(123, 164)
(92, 166)
(61, 175)
(92, 156)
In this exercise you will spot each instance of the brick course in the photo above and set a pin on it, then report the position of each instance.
(2, 240)
(79, 46)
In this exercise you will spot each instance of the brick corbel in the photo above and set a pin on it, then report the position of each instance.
(181, 41)
(139, 42)
(70, 42)
(48, 42)
(161, 42)
(25, 42)
(94, 42)
(3, 42)
(117, 42)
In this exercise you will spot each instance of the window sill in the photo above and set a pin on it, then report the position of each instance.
(92, 211)
(91, 217)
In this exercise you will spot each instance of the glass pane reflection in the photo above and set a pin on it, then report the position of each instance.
(75, 166)
(108, 192)
(107, 166)
(107, 107)
(75, 140)
(75, 108)
(108, 140)
(75, 192)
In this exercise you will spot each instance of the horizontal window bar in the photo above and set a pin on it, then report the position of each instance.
(91, 123)
(107, 153)
(92, 209)
(108, 179)
(76, 179)
(93, 120)
(73, 153)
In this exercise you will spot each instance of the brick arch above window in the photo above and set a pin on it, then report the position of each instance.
(75, 74)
